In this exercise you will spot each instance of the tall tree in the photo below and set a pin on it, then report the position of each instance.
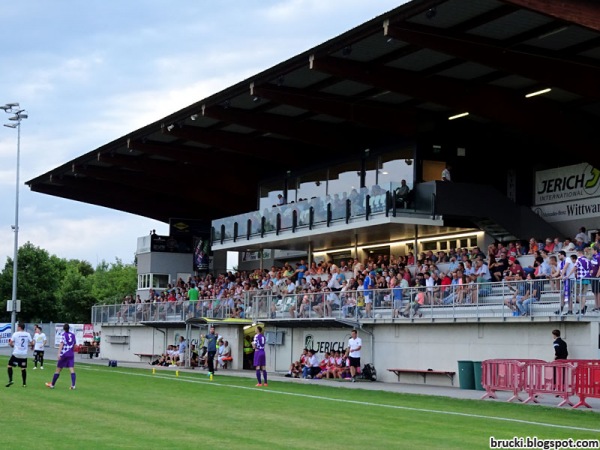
(38, 278)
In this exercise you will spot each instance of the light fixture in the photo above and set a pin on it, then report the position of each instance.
(170, 127)
(408, 161)
(431, 13)
(194, 116)
(256, 99)
(226, 104)
(19, 115)
(540, 92)
(458, 116)
(552, 32)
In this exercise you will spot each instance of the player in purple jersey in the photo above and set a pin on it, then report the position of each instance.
(260, 359)
(66, 356)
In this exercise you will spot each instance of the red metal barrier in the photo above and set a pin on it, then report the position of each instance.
(587, 381)
(556, 377)
(505, 375)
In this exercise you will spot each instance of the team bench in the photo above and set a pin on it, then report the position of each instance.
(88, 350)
(142, 356)
(424, 373)
(227, 361)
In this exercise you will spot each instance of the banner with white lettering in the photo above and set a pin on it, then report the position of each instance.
(326, 341)
(563, 184)
(5, 334)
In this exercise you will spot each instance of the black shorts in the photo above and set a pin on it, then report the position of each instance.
(17, 362)
(354, 362)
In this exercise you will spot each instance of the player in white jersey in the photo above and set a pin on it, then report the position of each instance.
(20, 341)
(39, 344)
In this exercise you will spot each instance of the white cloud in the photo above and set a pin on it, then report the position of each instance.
(90, 72)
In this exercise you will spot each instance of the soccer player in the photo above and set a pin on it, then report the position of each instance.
(39, 343)
(260, 358)
(66, 356)
(20, 341)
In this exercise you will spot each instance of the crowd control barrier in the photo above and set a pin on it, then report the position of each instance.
(587, 381)
(505, 375)
(556, 378)
(563, 379)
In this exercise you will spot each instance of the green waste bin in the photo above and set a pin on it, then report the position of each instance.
(477, 375)
(466, 375)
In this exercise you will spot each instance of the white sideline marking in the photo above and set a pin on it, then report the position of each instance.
(354, 402)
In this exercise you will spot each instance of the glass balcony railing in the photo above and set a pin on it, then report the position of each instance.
(318, 212)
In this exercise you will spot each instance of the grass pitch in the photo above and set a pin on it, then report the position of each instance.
(133, 408)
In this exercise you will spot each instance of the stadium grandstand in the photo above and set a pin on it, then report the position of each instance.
(486, 109)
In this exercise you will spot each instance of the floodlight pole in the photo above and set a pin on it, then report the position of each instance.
(19, 115)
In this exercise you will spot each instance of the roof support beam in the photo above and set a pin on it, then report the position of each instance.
(582, 12)
(151, 168)
(313, 133)
(392, 120)
(568, 75)
(537, 117)
(238, 143)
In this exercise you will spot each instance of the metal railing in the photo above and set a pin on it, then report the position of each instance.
(503, 299)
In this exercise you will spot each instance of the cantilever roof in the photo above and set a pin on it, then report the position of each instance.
(394, 78)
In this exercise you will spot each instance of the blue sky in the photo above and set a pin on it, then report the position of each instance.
(90, 72)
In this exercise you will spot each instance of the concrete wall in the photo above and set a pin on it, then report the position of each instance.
(410, 346)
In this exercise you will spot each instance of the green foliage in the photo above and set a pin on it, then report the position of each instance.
(52, 289)
(112, 282)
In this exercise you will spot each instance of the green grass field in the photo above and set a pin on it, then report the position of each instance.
(133, 408)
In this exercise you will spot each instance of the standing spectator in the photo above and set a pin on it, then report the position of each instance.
(181, 351)
(582, 235)
(353, 353)
(446, 176)
(66, 357)
(260, 358)
(20, 341)
(368, 286)
(560, 346)
(39, 344)
(567, 274)
(210, 341)
(594, 273)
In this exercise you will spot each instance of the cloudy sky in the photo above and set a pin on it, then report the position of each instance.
(90, 72)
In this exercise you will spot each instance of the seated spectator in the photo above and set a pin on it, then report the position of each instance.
(513, 268)
(402, 195)
(549, 245)
(224, 354)
(325, 365)
(312, 366)
(412, 307)
(519, 287)
(533, 293)
(498, 267)
(568, 246)
(194, 357)
(297, 366)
